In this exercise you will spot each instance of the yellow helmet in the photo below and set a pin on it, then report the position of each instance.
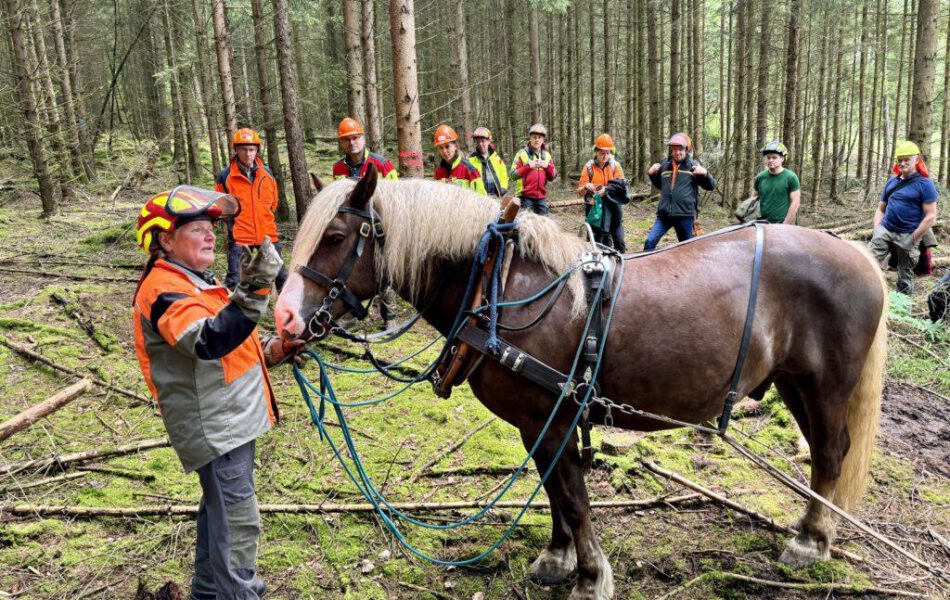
(906, 148)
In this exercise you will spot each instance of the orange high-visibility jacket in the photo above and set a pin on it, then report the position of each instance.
(203, 362)
(598, 175)
(258, 202)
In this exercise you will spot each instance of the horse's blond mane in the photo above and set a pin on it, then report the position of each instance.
(425, 220)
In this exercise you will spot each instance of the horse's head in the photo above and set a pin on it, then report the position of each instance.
(339, 274)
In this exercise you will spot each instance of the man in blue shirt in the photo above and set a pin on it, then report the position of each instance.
(908, 208)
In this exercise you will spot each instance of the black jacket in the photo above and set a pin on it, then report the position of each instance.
(682, 200)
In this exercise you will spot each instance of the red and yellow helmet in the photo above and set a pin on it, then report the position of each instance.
(245, 135)
(173, 208)
(444, 134)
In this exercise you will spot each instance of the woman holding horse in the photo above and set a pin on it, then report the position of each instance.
(200, 354)
(818, 335)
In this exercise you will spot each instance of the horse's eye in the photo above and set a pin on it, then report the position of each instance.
(337, 239)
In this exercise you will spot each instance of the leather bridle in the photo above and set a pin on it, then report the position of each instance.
(321, 323)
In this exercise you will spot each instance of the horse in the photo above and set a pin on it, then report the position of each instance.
(819, 335)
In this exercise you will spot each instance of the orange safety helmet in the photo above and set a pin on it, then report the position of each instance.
(482, 132)
(169, 209)
(681, 139)
(348, 128)
(604, 142)
(245, 136)
(444, 134)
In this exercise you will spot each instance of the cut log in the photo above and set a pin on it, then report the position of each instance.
(69, 275)
(46, 407)
(185, 509)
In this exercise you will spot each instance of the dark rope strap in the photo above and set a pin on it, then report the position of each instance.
(747, 331)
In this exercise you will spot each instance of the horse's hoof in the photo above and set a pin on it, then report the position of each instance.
(800, 554)
(600, 589)
(553, 567)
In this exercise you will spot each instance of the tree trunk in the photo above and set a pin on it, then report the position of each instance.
(944, 175)
(739, 103)
(836, 151)
(223, 48)
(402, 25)
(819, 120)
(206, 86)
(511, 13)
(534, 49)
(261, 44)
(374, 126)
(862, 122)
(459, 48)
(925, 62)
(675, 123)
(68, 163)
(34, 131)
(288, 94)
(180, 154)
(592, 63)
(352, 29)
(653, 78)
(67, 89)
(608, 71)
(900, 76)
(762, 89)
(791, 81)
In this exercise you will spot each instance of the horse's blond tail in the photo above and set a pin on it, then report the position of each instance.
(864, 411)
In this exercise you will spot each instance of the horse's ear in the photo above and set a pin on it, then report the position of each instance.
(316, 182)
(364, 188)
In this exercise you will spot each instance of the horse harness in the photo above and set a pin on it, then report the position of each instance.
(597, 269)
(322, 318)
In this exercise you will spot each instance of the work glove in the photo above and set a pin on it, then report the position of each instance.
(259, 268)
(277, 351)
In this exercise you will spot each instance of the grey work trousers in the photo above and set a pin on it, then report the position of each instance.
(229, 524)
(904, 247)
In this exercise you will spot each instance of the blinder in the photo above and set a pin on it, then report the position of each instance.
(322, 321)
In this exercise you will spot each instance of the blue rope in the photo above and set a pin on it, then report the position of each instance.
(364, 483)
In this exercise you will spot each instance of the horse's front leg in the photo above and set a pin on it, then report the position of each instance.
(568, 493)
(559, 559)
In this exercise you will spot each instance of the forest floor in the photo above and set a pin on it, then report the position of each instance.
(655, 552)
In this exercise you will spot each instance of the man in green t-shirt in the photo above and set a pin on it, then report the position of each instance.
(778, 188)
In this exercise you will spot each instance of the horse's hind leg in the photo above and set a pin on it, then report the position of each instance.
(825, 424)
(568, 493)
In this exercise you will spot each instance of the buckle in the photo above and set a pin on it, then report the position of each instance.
(334, 293)
(365, 229)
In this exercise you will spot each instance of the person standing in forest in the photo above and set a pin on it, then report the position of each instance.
(777, 188)
(201, 356)
(356, 156)
(595, 176)
(532, 169)
(453, 167)
(908, 208)
(489, 164)
(678, 178)
(249, 180)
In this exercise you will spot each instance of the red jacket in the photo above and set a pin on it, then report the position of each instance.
(258, 202)
(533, 183)
(342, 169)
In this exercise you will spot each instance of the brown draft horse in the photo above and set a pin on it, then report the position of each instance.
(819, 336)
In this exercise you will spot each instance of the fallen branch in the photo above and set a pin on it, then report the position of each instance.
(22, 350)
(40, 482)
(46, 407)
(443, 453)
(473, 471)
(841, 588)
(326, 508)
(126, 474)
(83, 324)
(43, 463)
(756, 516)
(930, 352)
(68, 275)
